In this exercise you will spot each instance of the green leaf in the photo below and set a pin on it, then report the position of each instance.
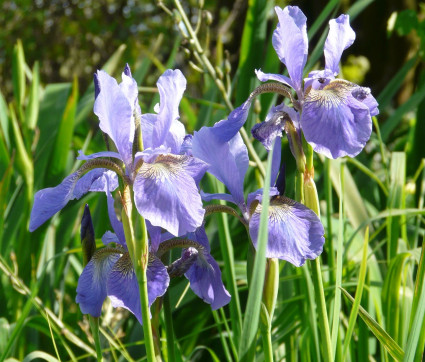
(18, 73)
(39, 355)
(4, 120)
(23, 160)
(359, 293)
(252, 45)
(396, 200)
(416, 338)
(391, 294)
(406, 21)
(393, 121)
(395, 83)
(62, 145)
(52, 108)
(253, 307)
(388, 343)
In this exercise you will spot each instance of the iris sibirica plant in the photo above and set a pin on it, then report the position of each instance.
(157, 168)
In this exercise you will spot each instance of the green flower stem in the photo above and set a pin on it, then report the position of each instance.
(270, 291)
(138, 250)
(168, 319)
(94, 326)
(306, 193)
(266, 334)
(312, 201)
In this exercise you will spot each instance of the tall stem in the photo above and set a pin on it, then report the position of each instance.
(138, 251)
(312, 202)
(168, 320)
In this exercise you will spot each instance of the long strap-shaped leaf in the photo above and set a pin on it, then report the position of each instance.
(389, 344)
(252, 313)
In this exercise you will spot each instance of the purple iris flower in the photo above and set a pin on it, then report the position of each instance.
(295, 233)
(110, 273)
(165, 181)
(335, 115)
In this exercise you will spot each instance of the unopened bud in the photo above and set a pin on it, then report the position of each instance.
(311, 199)
(208, 17)
(271, 286)
(227, 66)
(201, 4)
(257, 106)
(88, 241)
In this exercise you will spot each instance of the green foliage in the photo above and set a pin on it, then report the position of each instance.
(43, 123)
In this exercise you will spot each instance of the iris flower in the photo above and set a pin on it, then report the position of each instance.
(110, 272)
(165, 182)
(334, 114)
(295, 233)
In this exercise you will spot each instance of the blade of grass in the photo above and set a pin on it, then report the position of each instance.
(62, 145)
(252, 312)
(389, 344)
(395, 83)
(416, 339)
(396, 200)
(358, 298)
(339, 259)
(393, 121)
(4, 120)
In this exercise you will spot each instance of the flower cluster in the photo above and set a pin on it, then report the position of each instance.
(164, 167)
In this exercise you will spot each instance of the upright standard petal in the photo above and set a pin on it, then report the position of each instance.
(91, 288)
(115, 114)
(123, 288)
(49, 201)
(291, 43)
(340, 37)
(166, 192)
(334, 122)
(295, 232)
(164, 128)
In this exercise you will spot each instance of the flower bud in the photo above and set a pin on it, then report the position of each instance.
(208, 17)
(310, 194)
(88, 241)
(271, 286)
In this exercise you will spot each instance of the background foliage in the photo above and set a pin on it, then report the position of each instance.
(48, 53)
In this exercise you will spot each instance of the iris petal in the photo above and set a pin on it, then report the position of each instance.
(166, 193)
(164, 128)
(49, 201)
(295, 232)
(91, 288)
(228, 161)
(123, 288)
(340, 37)
(264, 77)
(334, 122)
(291, 43)
(115, 114)
(205, 281)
